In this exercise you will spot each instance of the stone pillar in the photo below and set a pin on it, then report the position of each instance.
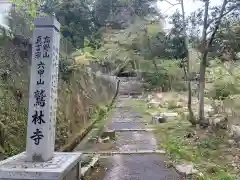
(43, 90)
(40, 162)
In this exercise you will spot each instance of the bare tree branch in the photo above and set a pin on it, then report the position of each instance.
(171, 7)
(203, 64)
(221, 15)
(205, 23)
(224, 14)
(171, 3)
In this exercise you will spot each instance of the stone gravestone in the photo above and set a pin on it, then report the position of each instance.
(40, 162)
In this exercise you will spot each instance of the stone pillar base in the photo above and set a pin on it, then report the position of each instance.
(63, 166)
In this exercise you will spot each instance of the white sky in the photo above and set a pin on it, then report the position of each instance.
(189, 5)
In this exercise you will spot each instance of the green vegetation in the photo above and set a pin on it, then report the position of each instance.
(207, 150)
(99, 119)
(80, 92)
(74, 105)
(127, 36)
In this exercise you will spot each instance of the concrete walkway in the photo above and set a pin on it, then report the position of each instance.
(133, 166)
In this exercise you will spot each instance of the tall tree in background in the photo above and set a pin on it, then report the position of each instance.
(22, 14)
(227, 43)
(186, 45)
(210, 20)
(136, 20)
(121, 13)
(78, 22)
(211, 24)
(82, 20)
(76, 17)
(179, 46)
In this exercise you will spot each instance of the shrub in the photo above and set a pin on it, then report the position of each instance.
(179, 86)
(65, 69)
(172, 105)
(169, 76)
(155, 79)
(222, 89)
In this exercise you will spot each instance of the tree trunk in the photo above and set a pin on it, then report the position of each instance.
(155, 64)
(201, 89)
(203, 64)
(2, 135)
(184, 70)
(191, 117)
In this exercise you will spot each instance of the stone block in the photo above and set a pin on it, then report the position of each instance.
(63, 166)
(186, 169)
(158, 119)
(108, 133)
(169, 114)
(74, 173)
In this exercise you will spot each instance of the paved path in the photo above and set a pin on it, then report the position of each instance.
(133, 166)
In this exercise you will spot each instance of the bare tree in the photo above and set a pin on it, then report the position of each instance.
(211, 25)
(207, 44)
(185, 61)
(191, 117)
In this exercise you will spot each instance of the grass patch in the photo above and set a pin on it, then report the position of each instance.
(97, 122)
(102, 115)
(206, 151)
(141, 106)
(184, 143)
(99, 118)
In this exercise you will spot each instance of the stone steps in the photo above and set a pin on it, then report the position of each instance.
(111, 153)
